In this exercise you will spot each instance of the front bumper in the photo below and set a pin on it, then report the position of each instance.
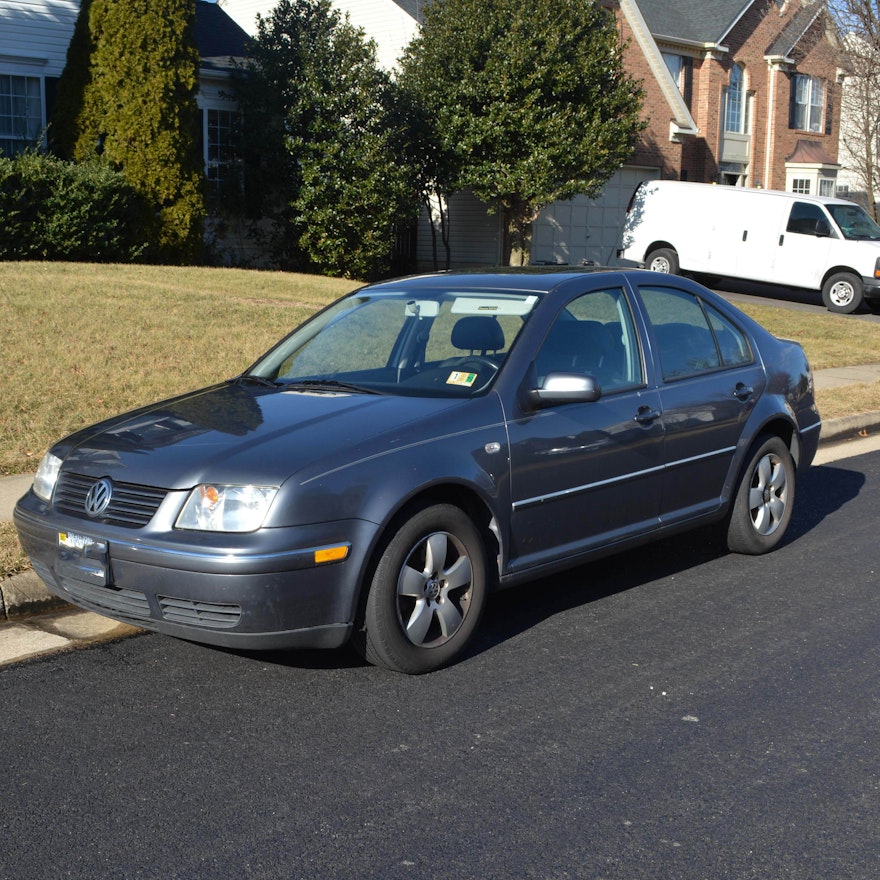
(871, 288)
(262, 590)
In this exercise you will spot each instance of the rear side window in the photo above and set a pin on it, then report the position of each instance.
(691, 336)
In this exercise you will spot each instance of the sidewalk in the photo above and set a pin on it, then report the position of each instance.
(24, 595)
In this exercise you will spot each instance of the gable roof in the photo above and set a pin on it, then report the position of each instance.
(706, 21)
(218, 37)
(413, 8)
(792, 33)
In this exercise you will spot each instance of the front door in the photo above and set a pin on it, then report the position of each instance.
(802, 252)
(587, 474)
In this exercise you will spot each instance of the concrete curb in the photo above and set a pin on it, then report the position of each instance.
(25, 594)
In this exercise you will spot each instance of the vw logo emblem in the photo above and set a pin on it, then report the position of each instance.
(99, 497)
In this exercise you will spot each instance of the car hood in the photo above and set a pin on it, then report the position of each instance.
(242, 434)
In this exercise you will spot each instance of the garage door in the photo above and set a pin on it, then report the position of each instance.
(587, 229)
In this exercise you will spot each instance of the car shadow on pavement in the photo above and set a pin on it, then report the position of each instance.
(821, 492)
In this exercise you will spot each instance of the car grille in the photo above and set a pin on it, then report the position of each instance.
(129, 604)
(131, 506)
(207, 614)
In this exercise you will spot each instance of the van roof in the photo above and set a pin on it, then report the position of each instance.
(675, 184)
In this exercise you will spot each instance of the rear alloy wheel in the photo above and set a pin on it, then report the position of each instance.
(662, 260)
(428, 592)
(842, 293)
(764, 500)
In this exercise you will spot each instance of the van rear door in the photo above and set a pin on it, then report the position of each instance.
(803, 246)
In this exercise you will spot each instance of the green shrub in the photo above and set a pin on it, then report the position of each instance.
(56, 210)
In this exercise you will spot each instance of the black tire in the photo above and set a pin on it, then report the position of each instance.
(662, 260)
(842, 293)
(427, 593)
(764, 499)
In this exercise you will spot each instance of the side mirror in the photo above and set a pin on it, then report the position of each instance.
(823, 228)
(564, 388)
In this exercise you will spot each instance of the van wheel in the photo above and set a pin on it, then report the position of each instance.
(662, 260)
(842, 293)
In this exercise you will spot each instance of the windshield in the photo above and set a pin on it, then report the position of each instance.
(448, 343)
(854, 223)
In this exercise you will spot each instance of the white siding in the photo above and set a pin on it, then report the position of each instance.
(382, 20)
(244, 12)
(386, 23)
(34, 35)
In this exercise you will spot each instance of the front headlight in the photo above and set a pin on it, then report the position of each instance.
(47, 476)
(212, 508)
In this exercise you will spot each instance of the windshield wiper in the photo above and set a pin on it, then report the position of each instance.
(330, 385)
(250, 377)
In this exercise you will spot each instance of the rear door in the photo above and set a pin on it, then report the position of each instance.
(710, 382)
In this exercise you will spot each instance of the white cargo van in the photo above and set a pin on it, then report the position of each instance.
(824, 244)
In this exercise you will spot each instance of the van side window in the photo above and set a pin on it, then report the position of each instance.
(803, 218)
(691, 337)
(595, 335)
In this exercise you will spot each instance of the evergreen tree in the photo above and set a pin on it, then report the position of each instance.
(139, 112)
(325, 149)
(72, 86)
(528, 99)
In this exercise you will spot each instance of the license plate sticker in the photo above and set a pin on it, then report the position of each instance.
(75, 541)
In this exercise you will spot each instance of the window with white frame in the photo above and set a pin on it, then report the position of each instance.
(220, 154)
(801, 185)
(807, 103)
(735, 120)
(827, 187)
(21, 112)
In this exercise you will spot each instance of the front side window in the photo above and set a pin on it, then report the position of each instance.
(735, 102)
(803, 219)
(594, 335)
(21, 113)
(691, 336)
(807, 103)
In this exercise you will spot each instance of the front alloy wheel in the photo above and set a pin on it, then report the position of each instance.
(428, 592)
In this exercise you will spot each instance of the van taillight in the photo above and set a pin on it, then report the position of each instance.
(877, 268)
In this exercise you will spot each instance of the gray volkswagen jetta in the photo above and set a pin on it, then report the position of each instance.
(418, 444)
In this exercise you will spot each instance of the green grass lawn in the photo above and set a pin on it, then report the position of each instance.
(81, 342)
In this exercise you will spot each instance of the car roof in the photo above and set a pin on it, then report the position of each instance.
(535, 279)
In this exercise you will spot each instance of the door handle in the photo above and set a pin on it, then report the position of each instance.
(646, 415)
(743, 392)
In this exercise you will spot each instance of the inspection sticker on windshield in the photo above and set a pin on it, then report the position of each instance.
(458, 378)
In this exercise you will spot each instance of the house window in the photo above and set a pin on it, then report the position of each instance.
(807, 103)
(735, 102)
(220, 156)
(801, 185)
(681, 70)
(21, 113)
(827, 187)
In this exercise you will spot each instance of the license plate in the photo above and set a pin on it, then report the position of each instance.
(83, 558)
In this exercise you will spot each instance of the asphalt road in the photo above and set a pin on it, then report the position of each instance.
(672, 713)
(739, 292)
